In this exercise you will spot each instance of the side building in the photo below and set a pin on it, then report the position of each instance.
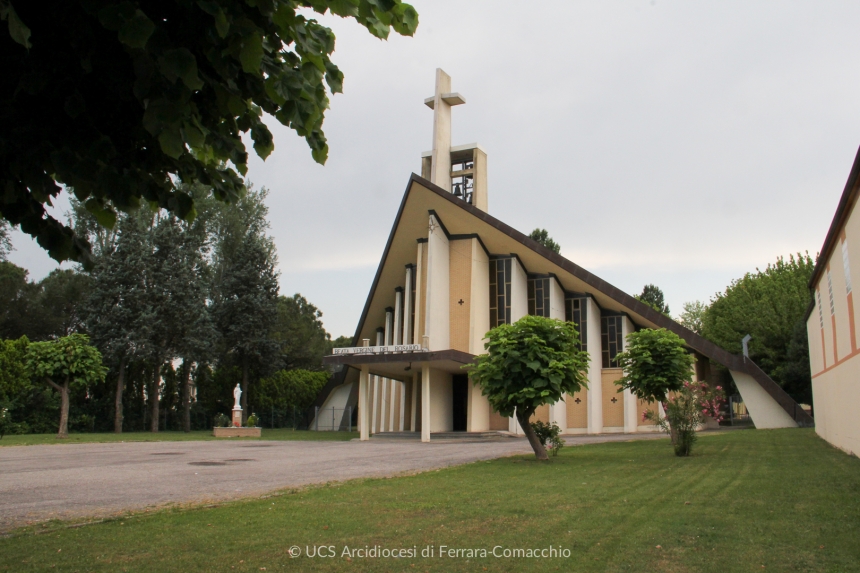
(449, 273)
(830, 325)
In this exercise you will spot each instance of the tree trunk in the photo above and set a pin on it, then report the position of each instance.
(153, 397)
(64, 411)
(523, 418)
(186, 396)
(245, 383)
(117, 404)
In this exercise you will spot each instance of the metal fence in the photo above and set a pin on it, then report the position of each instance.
(333, 419)
(737, 410)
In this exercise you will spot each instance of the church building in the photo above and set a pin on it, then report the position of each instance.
(449, 273)
(830, 325)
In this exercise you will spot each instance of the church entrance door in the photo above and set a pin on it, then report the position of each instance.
(461, 400)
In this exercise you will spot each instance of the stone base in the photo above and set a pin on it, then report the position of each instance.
(236, 432)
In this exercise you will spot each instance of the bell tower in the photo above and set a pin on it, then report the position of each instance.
(460, 169)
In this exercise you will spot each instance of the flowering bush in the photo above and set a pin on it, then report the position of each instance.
(686, 411)
(548, 434)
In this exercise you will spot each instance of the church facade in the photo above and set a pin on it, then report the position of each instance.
(830, 323)
(449, 273)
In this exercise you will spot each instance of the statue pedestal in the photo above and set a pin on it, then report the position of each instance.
(237, 416)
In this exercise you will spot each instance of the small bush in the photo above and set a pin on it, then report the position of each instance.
(222, 421)
(252, 421)
(548, 434)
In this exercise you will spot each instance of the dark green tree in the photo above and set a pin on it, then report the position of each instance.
(5, 240)
(289, 389)
(245, 290)
(62, 296)
(17, 299)
(542, 237)
(121, 99)
(653, 297)
(532, 362)
(769, 305)
(300, 334)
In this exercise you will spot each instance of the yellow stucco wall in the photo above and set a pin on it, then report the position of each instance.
(613, 412)
(577, 413)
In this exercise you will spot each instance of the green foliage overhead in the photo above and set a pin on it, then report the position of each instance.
(119, 99)
(532, 362)
(542, 237)
(769, 305)
(652, 295)
(5, 240)
(655, 362)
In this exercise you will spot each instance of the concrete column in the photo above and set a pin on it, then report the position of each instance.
(417, 336)
(398, 315)
(425, 403)
(412, 424)
(363, 403)
(594, 400)
(375, 409)
(402, 425)
(392, 396)
(631, 417)
(631, 424)
(437, 306)
(389, 325)
(383, 405)
(440, 163)
(407, 307)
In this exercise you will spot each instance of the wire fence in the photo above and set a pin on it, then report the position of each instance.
(333, 419)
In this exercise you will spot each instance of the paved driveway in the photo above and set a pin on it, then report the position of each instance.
(91, 480)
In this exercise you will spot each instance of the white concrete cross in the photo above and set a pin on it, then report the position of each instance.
(441, 103)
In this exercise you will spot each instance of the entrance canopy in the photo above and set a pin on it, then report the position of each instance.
(402, 366)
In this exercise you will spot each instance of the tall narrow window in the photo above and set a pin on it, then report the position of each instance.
(820, 311)
(610, 333)
(500, 291)
(830, 289)
(539, 296)
(846, 267)
(575, 311)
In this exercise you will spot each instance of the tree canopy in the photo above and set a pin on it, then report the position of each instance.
(65, 364)
(769, 305)
(119, 100)
(655, 362)
(532, 362)
(693, 315)
(542, 237)
(652, 295)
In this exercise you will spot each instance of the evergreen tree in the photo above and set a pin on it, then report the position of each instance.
(653, 297)
(300, 334)
(245, 289)
(542, 237)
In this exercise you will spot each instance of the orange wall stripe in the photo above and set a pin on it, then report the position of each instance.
(835, 349)
(851, 321)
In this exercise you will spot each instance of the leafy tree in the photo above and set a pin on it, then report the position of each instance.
(655, 362)
(5, 240)
(17, 295)
(14, 377)
(653, 297)
(693, 315)
(117, 310)
(119, 99)
(289, 388)
(62, 296)
(532, 362)
(245, 289)
(542, 237)
(769, 305)
(66, 363)
(340, 342)
(300, 334)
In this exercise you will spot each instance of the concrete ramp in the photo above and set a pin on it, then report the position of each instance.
(765, 411)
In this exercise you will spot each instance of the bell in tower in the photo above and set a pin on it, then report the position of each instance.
(461, 169)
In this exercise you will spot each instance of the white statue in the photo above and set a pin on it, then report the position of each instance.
(237, 393)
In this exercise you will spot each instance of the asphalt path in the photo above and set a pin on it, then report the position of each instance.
(43, 482)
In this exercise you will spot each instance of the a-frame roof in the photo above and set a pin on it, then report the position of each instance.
(462, 219)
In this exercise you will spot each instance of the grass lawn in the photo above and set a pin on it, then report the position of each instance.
(273, 434)
(778, 500)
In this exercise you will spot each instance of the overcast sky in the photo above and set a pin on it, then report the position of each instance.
(675, 143)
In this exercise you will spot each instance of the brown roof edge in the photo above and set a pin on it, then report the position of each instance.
(849, 195)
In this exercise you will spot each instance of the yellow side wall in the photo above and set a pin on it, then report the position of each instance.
(613, 412)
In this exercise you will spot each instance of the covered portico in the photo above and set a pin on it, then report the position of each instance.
(438, 394)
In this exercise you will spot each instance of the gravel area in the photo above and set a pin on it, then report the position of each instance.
(38, 483)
